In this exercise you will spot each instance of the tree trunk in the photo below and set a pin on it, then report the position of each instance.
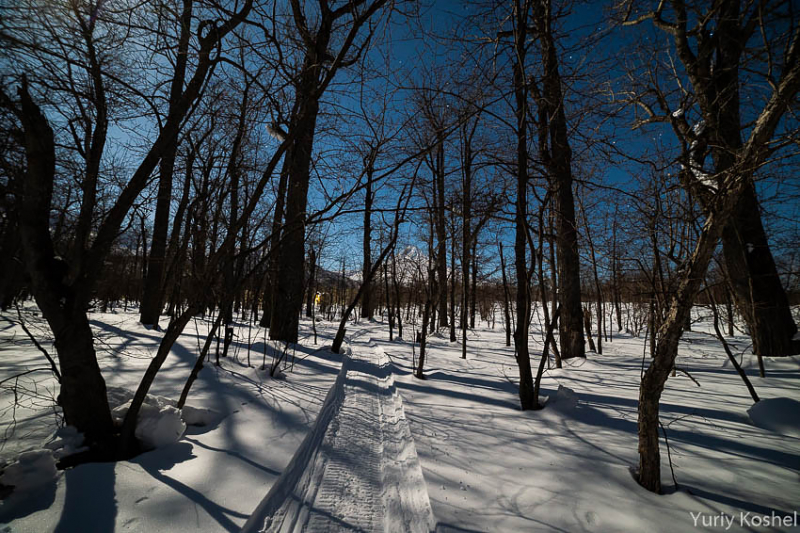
(521, 216)
(291, 256)
(757, 288)
(366, 298)
(441, 236)
(473, 292)
(83, 391)
(426, 315)
(153, 295)
(506, 298)
(559, 165)
(587, 325)
(275, 242)
(311, 290)
(453, 288)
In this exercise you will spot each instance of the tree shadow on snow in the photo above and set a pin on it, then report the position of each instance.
(448, 528)
(733, 502)
(19, 505)
(164, 459)
(90, 504)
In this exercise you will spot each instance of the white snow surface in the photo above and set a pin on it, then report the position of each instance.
(358, 468)
(486, 465)
(781, 415)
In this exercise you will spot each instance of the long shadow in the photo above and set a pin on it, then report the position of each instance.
(463, 379)
(117, 331)
(236, 455)
(456, 394)
(19, 505)
(595, 417)
(90, 504)
(154, 463)
(442, 527)
(734, 502)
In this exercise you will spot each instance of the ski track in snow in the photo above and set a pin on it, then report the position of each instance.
(358, 469)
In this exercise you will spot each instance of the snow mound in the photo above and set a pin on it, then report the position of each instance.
(159, 422)
(781, 415)
(66, 441)
(30, 471)
(564, 399)
(159, 427)
(195, 416)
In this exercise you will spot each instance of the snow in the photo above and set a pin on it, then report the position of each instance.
(66, 441)
(565, 399)
(781, 415)
(159, 427)
(194, 416)
(31, 470)
(456, 439)
(358, 468)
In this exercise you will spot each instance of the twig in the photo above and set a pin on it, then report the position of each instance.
(53, 366)
(669, 454)
(17, 376)
(688, 375)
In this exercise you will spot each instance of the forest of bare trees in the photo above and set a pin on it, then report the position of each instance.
(274, 162)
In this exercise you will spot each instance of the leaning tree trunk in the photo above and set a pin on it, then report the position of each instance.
(655, 377)
(83, 391)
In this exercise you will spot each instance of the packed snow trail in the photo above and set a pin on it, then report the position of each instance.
(357, 470)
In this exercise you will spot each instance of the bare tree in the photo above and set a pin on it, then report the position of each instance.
(736, 162)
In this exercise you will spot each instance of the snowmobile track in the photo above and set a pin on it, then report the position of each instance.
(357, 470)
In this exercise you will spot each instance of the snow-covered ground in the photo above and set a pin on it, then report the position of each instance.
(358, 469)
(487, 466)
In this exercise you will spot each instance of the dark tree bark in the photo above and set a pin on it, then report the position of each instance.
(288, 291)
(473, 293)
(757, 288)
(367, 310)
(441, 235)
(315, 75)
(275, 239)
(506, 298)
(83, 391)
(735, 164)
(615, 273)
(557, 159)
(467, 158)
(153, 294)
(398, 302)
(520, 20)
(453, 286)
(311, 290)
(63, 292)
(389, 305)
(419, 372)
